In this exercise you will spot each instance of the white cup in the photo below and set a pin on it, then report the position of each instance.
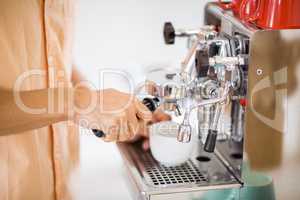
(164, 145)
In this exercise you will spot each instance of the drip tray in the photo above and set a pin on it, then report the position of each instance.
(199, 174)
(160, 175)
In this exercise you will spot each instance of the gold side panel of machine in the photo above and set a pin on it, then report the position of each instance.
(272, 139)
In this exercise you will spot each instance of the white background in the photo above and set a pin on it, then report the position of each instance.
(126, 35)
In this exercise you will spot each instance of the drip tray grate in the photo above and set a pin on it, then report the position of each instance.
(161, 175)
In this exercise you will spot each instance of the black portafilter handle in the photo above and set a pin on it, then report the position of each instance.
(98, 133)
(150, 103)
(210, 143)
(169, 33)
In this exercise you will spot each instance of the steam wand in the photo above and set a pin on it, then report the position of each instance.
(185, 129)
(211, 139)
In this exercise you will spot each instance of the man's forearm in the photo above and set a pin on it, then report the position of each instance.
(26, 110)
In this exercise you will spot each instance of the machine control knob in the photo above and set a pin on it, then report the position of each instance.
(211, 140)
(169, 33)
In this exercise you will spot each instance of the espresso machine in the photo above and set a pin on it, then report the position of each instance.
(229, 81)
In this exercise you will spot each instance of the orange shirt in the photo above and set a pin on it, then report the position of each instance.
(36, 34)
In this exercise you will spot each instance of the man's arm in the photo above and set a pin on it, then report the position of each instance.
(117, 114)
(26, 110)
(49, 106)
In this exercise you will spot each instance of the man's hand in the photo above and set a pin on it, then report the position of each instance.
(143, 132)
(119, 115)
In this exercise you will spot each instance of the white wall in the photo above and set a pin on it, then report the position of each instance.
(127, 34)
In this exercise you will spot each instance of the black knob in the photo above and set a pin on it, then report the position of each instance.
(211, 140)
(169, 33)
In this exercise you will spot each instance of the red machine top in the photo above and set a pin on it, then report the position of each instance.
(267, 14)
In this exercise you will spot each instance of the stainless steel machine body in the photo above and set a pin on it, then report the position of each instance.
(240, 74)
